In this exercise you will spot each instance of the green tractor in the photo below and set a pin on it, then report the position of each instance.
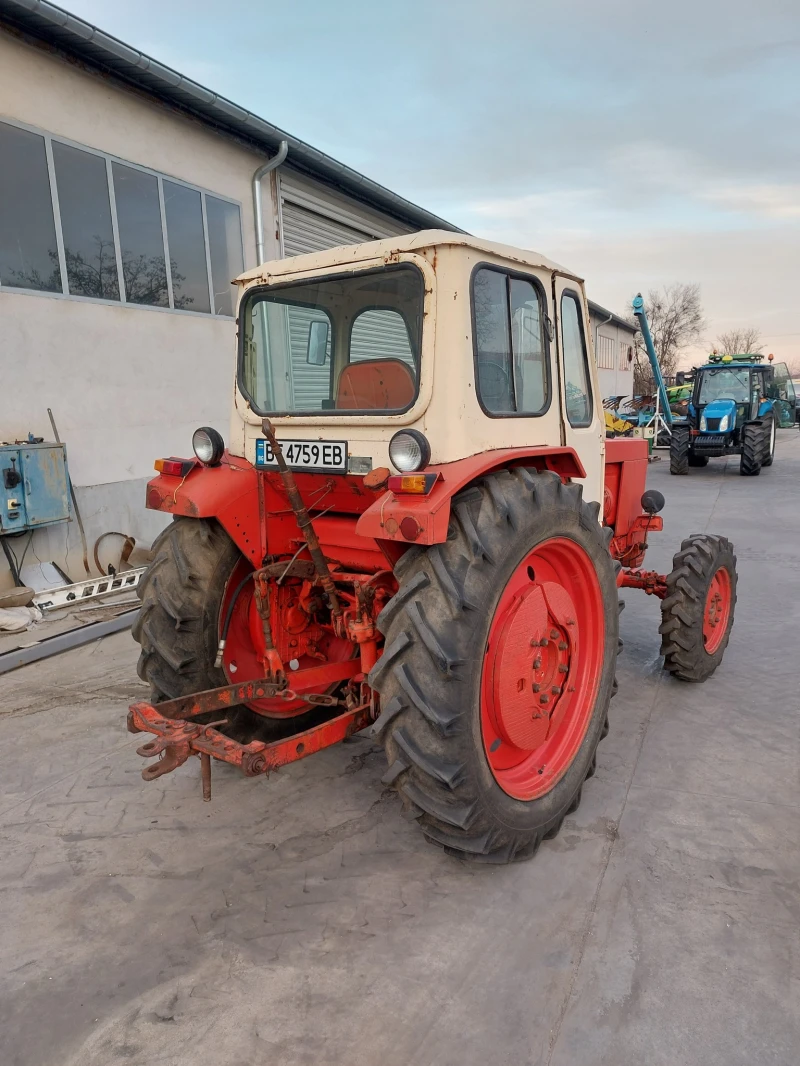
(737, 404)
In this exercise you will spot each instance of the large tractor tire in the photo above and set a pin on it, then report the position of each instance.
(771, 437)
(181, 594)
(679, 450)
(697, 612)
(755, 441)
(499, 664)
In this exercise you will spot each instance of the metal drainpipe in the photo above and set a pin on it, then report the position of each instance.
(265, 168)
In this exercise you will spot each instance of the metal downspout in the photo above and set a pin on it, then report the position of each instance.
(265, 168)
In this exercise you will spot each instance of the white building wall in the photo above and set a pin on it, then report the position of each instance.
(614, 370)
(126, 383)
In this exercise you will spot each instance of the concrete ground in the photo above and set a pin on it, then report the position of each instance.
(302, 920)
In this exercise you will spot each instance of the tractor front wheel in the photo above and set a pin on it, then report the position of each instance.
(771, 435)
(755, 442)
(499, 665)
(679, 450)
(697, 612)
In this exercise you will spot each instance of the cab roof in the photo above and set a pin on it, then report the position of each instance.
(406, 242)
(735, 364)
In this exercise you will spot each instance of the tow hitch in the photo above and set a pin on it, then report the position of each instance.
(177, 736)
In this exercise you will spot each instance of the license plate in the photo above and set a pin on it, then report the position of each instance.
(324, 456)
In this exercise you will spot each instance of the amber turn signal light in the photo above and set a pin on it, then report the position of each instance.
(412, 484)
(174, 467)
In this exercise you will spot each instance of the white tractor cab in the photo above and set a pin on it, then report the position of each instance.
(417, 526)
(475, 345)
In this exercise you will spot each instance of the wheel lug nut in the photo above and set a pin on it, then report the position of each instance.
(562, 645)
(536, 688)
(562, 669)
(543, 643)
(556, 690)
(537, 663)
(553, 634)
(544, 698)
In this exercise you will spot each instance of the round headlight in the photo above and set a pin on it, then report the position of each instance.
(208, 445)
(409, 451)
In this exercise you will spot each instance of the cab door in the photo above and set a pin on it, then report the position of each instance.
(780, 389)
(582, 416)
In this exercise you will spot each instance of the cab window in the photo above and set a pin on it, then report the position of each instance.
(577, 390)
(511, 356)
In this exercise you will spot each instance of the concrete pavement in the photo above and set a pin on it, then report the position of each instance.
(302, 920)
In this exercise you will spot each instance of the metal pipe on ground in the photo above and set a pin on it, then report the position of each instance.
(10, 660)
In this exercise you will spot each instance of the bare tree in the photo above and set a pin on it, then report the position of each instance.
(745, 341)
(676, 321)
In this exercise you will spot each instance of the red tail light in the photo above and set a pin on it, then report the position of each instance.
(174, 467)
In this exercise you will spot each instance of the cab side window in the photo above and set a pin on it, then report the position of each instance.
(577, 388)
(511, 356)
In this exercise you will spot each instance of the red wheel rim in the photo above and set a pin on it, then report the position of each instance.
(717, 610)
(542, 669)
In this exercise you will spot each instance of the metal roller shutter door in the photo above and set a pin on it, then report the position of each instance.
(377, 335)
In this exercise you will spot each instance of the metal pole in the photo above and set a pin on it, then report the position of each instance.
(303, 519)
(74, 502)
(639, 311)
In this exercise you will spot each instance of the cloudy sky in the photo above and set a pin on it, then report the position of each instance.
(639, 143)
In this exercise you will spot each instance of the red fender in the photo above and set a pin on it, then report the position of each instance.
(228, 492)
(238, 497)
(424, 519)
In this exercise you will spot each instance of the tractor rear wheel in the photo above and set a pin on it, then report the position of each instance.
(181, 594)
(697, 612)
(754, 447)
(499, 664)
(771, 436)
(679, 450)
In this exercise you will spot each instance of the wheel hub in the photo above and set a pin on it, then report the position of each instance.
(717, 610)
(542, 671)
(532, 664)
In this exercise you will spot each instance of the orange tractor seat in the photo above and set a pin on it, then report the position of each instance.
(376, 385)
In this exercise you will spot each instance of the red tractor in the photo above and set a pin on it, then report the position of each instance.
(418, 526)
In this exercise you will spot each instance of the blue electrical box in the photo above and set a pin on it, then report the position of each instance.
(34, 487)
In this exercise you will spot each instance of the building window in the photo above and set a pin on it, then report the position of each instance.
(141, 240)
(125, 234)
(625, 355)
(511, 358)
(606, 349)
(225, 245)
(576, 371)
(85, 212)
(187, 248)
(28, 249)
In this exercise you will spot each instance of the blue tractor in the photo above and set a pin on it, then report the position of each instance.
(737, 405)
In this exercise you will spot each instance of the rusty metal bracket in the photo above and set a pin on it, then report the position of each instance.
(176, 738)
